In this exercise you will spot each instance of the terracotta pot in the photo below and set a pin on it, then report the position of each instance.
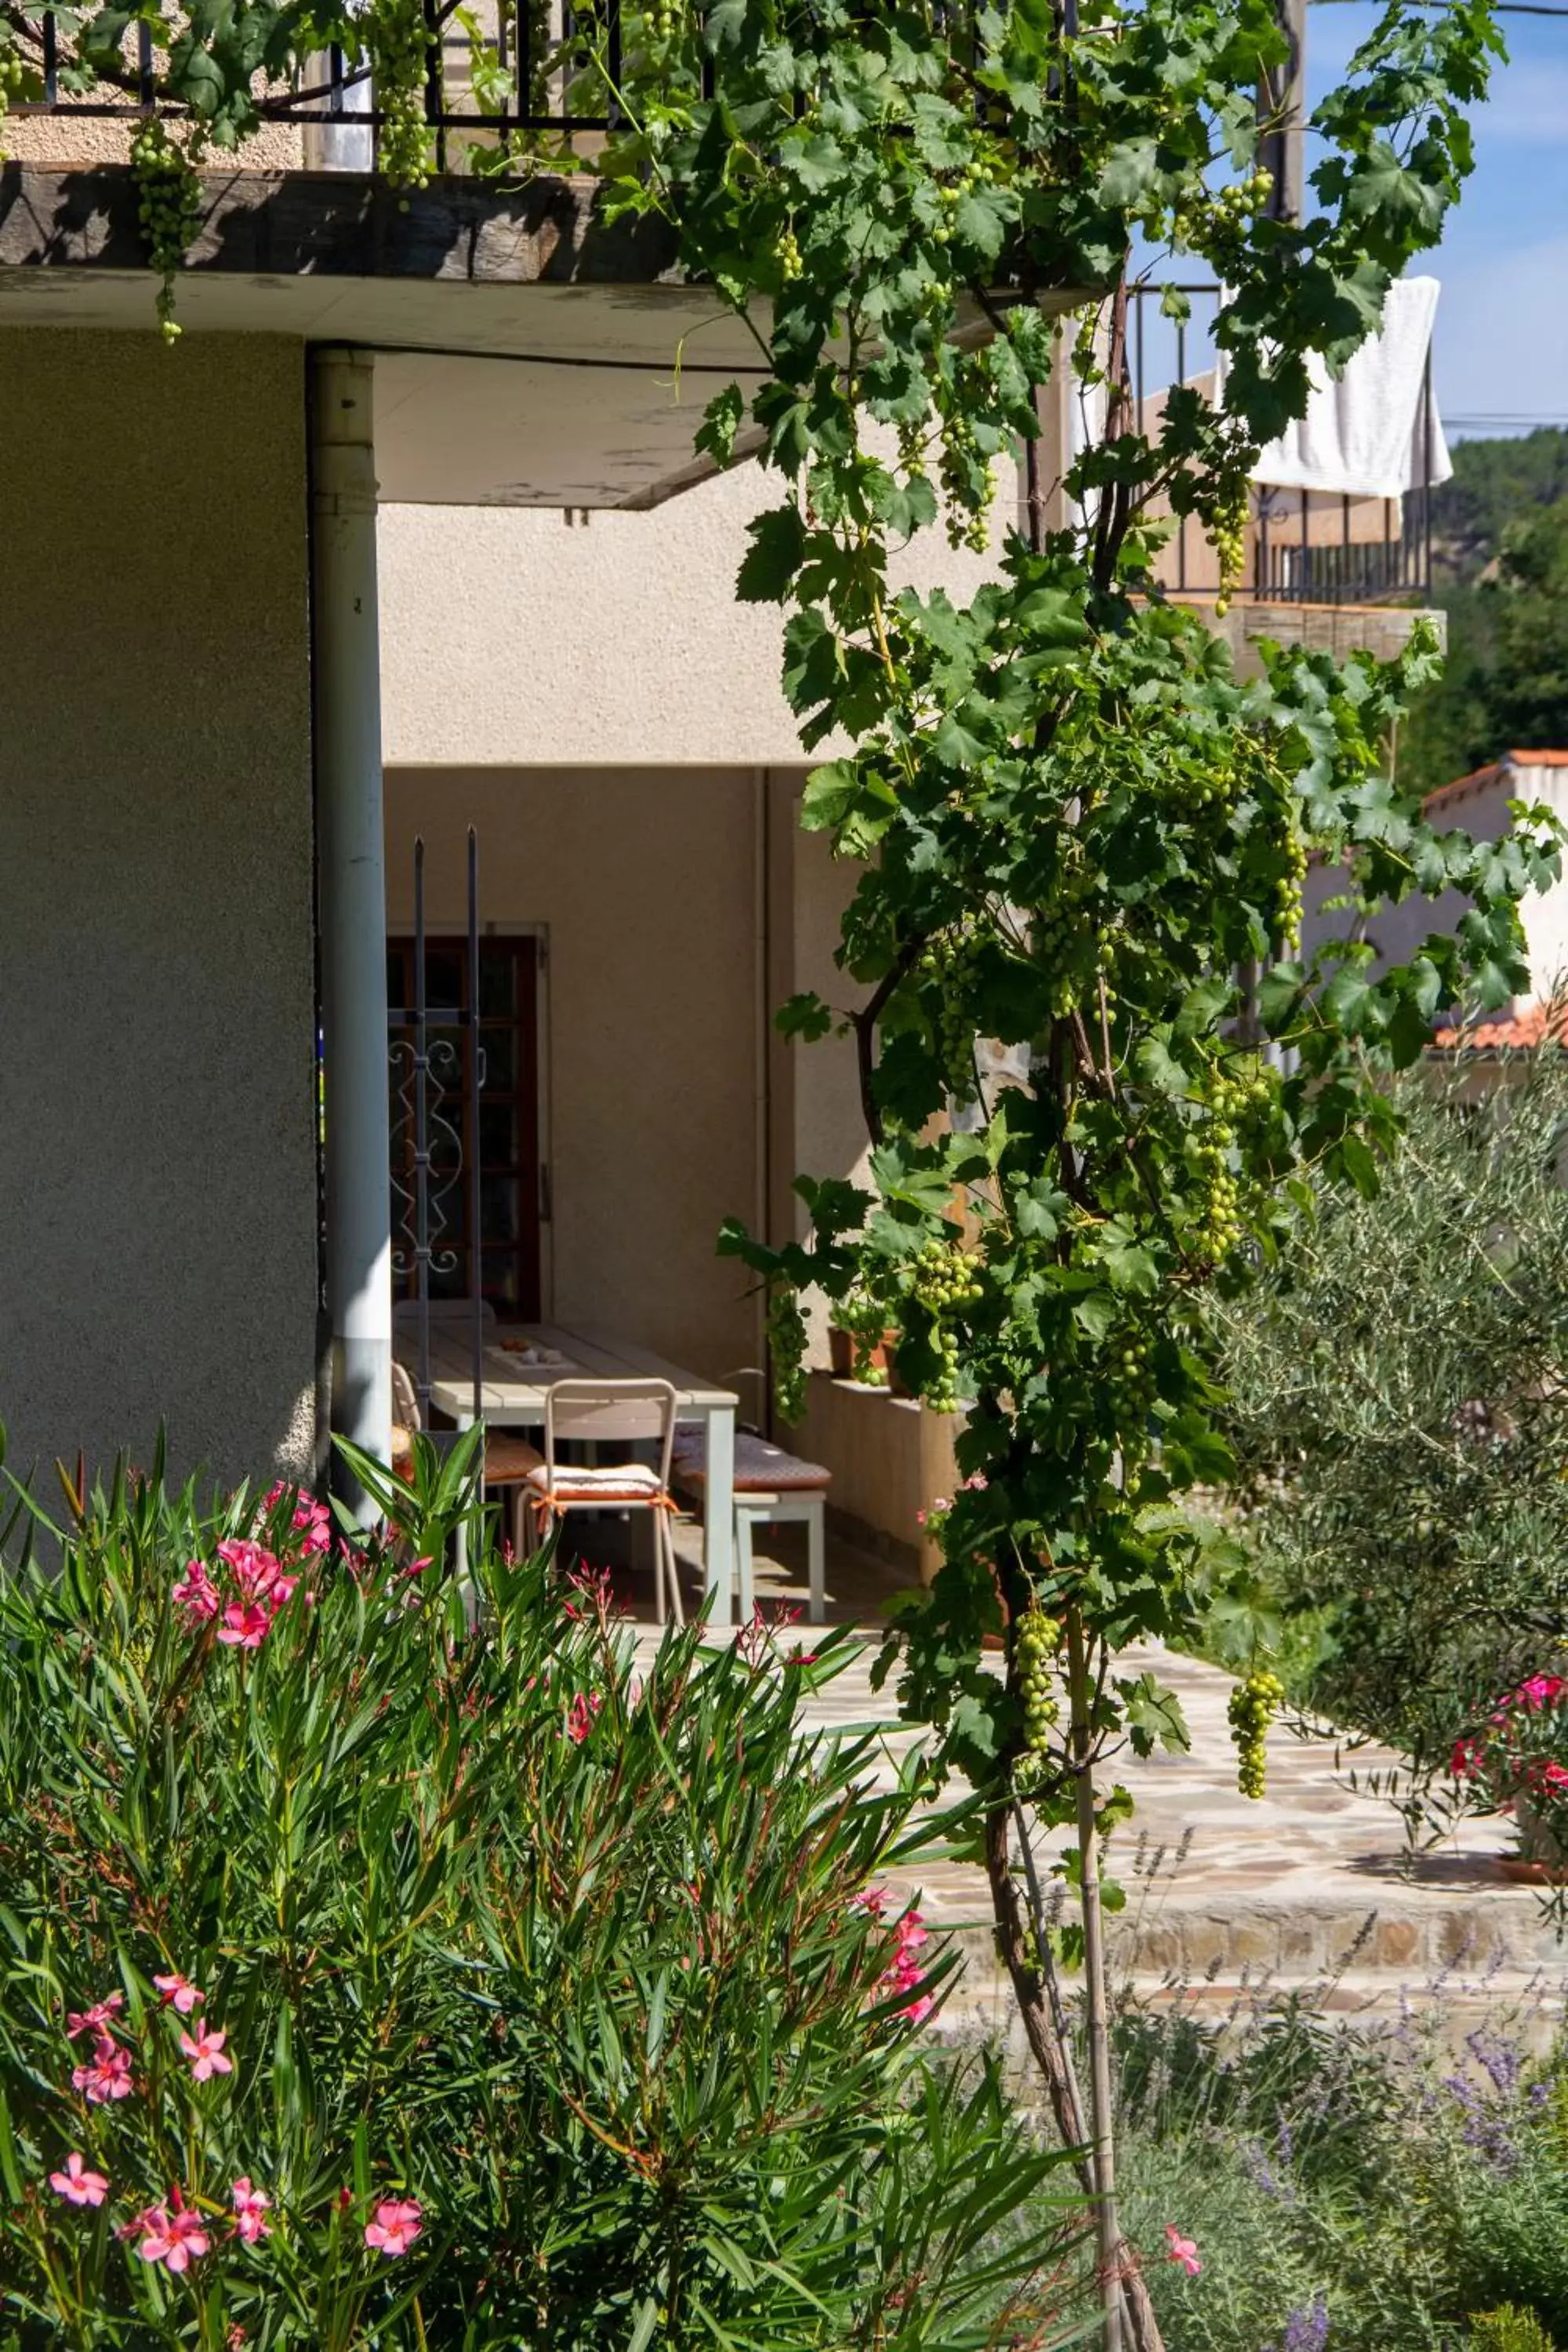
(845, 1350)
(1521, 1871)
(1541, 1849)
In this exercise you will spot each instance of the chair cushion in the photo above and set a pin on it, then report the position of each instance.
(761, 1468)
(508, 1458)
(609, 1482)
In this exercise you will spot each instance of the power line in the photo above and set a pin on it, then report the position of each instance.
(1500, 7)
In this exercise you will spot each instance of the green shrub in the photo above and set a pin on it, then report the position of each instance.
(1399, 1408)
(1350, 2186)
(1508, 2329)
(537, 2006)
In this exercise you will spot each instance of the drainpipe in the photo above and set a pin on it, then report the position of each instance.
(352, 903)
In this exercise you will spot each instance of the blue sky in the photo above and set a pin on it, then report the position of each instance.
(1502, 321)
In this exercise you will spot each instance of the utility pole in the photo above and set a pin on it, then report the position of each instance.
(1282, 110)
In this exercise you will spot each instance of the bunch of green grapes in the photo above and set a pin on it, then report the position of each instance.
(1287, 900)
(1222, 1218)
(865, 1318)
(398, 41)
(1039, 1638)
(1133, 1375)
(1206, 218)
(1228, 530)
(912, 448)
(1254, 1704)
(169, 207)
(945, 970)
(945, 1279)
(1061, 940)
(786, 252)
(13, 76)
(786, 1354)
(968, 482)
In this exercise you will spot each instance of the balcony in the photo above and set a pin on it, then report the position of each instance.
(526, 347)
(1342, 568)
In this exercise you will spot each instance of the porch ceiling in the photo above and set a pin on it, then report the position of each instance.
(527, 351)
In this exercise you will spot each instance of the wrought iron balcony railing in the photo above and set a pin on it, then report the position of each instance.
(1302, 547)
(556, 69)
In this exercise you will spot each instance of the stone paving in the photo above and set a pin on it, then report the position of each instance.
(1311, 1881)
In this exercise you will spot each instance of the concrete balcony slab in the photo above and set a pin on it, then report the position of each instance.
(530, 352)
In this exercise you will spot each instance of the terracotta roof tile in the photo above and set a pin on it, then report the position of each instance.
(1489, 774)
(1516, 1032)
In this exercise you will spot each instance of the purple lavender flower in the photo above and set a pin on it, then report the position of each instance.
(1261, 2172)
(1305, 2331)
(1308, 2331)
(1497, 2059)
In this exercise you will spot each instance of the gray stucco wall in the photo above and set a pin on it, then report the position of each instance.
(157, 1176)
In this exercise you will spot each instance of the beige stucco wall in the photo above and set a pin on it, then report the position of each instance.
(516, 636)
(157, 1172)
(648, 888)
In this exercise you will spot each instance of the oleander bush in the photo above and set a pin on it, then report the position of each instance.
(383, 1963)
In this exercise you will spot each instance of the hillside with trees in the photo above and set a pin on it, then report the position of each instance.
(1500, 563)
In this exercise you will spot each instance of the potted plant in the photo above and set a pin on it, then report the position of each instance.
(860, 1345)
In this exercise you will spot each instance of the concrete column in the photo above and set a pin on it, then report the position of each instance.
(351, 899)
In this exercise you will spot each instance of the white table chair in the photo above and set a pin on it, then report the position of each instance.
(509, 1459)
(614, 1412)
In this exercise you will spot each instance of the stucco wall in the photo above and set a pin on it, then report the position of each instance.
(157, 1173)
(648, 888)
(512, 636)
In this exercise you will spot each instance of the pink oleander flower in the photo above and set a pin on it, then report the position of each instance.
(244, 1625)
(175, 2239)
(250, 2210)
(180, 1993)
(140, 2223)
(255, 1569)
(398, 2222)
(312, 1521)
(1183, 2251)
(95, 2020)
(197, 1594)
(109, 2076)
(1541, 1690)
(76, 2185)
(580, 1716)
(204, 2050)
(903, 1973)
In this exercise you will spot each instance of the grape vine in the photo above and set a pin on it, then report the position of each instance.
(1074, 824)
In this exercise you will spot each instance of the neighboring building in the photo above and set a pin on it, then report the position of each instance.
(1480, 806)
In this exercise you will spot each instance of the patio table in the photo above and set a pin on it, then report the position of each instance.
(512, 1393)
